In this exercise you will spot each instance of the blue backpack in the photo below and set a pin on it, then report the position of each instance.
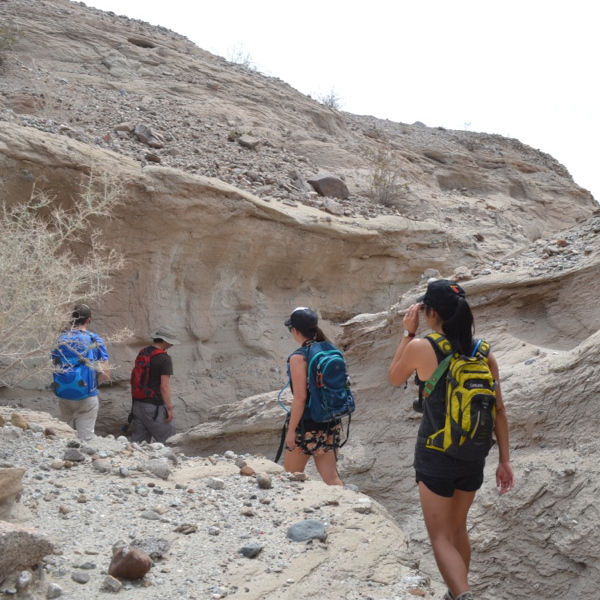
(330, 396)
(74, 357)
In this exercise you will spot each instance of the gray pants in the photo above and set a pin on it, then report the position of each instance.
(80, 415)
(146, 427)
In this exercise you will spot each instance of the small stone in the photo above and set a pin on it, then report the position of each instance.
(247, 471)
(215, 483)
(102, 465)
(264, 482)
(186, 528)
(251, 550)
(54, 591)
(154, 547)
(307, 530)
(79, 577)
(247, 141)
(159, 467)
(73, 455)
(19, 421)
(111, 584)
(24, 580)
(363, 506)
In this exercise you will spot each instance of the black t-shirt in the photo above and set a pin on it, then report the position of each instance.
(161, 364)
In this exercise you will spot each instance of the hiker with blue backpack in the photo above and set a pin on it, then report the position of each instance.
(461, 405)
(321, 396)
(80, 364)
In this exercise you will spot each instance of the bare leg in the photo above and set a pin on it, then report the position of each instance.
(446, 522)
(327, 466)
(294, 462)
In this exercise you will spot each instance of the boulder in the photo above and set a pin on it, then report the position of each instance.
(21, 548)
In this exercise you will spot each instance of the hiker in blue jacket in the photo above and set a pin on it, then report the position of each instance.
(447, 485)
(81, 362)
(306, 438)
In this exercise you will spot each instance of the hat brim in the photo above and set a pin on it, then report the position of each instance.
(169, 340)
(421, 298)
(288, 322)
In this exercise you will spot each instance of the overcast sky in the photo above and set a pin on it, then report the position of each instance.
(527, 69)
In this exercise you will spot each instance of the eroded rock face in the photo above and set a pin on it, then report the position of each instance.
(222, 242)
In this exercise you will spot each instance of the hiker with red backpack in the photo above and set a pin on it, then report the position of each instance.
(152, 407)
(461, 403)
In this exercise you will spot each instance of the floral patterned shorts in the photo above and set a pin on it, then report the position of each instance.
(315, 443)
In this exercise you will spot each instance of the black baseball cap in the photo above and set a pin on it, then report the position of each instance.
(81, 311)
(443, 296)
(302, 319)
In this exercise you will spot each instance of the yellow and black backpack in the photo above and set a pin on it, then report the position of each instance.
(470, 401)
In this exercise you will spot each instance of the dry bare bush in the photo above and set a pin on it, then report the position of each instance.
(330, 99)
(386, 185)
(51, 258)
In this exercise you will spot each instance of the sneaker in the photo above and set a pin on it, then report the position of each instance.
(465, 596)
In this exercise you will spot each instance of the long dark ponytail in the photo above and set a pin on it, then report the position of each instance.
(314, 333)
(459, 328)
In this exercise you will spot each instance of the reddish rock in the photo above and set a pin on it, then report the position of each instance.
(129, 563)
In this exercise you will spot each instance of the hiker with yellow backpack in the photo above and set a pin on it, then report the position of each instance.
(461, 403)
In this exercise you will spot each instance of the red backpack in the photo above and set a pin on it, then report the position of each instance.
(140, 374)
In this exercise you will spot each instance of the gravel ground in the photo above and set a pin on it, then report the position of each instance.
(196, 518)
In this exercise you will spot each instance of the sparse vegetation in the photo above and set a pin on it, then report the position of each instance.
(50, 259)
(240, 56)
(385, 176)
(330, 99)
(9, 35)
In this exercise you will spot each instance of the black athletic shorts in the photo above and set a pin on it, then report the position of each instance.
(445, 487)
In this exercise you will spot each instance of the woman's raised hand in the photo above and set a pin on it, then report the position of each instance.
(411, 318)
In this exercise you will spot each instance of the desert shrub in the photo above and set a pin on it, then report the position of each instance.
(240, 56)
(386, 184)
(330, 99)
(51, 258)
(9, 35)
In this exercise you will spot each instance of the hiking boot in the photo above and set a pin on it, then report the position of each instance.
(465, 596)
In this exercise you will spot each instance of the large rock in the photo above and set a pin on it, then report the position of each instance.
(129, 563)
(20, 548)
(10, 488)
